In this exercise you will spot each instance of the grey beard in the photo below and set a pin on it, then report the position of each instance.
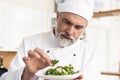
(64, 42)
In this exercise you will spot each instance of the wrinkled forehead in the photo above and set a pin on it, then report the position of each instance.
(73, 18)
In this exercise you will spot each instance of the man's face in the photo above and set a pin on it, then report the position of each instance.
(69, 28)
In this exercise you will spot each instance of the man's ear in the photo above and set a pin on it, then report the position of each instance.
(57, 14)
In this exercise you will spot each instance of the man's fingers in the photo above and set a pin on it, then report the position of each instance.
(79, 78)
(43, 62)
(26, 59)
(43, 55)
(33, 54)
(30, 53)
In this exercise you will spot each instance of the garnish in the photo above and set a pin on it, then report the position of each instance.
(55, 61)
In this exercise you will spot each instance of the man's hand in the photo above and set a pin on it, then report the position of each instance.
(79, 78)
(35, 61)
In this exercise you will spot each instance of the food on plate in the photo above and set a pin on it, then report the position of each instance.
(61, 70)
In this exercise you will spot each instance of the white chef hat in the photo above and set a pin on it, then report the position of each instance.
(83, 8)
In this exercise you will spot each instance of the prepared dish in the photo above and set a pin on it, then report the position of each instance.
(61, 70)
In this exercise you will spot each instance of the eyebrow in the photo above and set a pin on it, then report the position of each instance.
(67, 20)
(72, 23)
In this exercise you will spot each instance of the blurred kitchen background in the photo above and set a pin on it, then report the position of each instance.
(22, 18)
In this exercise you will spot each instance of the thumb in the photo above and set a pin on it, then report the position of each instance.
(79, 78)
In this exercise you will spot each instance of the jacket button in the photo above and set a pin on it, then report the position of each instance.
(48, 51)
(74, 54)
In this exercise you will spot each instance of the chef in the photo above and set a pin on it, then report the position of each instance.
(62, 43)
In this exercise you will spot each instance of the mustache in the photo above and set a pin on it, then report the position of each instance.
(67, 36)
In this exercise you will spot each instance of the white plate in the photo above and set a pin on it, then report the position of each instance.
(41, 74)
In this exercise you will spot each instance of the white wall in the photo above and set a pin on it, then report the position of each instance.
(43, 5)
(103, 35)
(21, 18)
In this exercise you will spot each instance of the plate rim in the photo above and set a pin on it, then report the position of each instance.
(54, 77)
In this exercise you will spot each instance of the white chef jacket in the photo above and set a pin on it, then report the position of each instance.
(79, 54)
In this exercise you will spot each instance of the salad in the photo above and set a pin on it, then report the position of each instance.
(60, 70)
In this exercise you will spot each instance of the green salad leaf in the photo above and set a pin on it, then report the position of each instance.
(54, 61)
(61, 70)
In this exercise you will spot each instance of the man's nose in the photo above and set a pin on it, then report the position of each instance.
(70, 30)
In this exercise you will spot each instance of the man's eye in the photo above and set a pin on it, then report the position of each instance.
(66, 22)
(79, 27)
